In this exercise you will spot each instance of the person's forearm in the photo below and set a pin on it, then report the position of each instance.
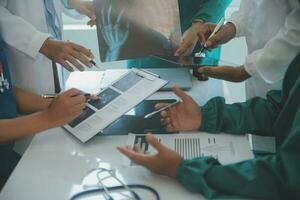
(12, 25)
(257, 115)
(28, 102)
(268, 177)
(14, 129)
(258, 178)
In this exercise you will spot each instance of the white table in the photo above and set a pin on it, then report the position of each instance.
(56, 162)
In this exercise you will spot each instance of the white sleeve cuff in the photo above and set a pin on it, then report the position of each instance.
(250, 63)
(35, 44)
(235, 20)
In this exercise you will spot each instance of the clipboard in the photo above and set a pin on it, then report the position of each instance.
(114, 101)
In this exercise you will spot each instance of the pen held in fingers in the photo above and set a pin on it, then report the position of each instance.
(216, 29)
(48, 96)
(92, 61)
(202, 49)
(160, 110)
(52, 96)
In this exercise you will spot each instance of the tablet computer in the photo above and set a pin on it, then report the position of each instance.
(189, 61)
(134, 122)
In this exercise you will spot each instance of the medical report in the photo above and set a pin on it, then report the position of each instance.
(114, 101)
(225, 148)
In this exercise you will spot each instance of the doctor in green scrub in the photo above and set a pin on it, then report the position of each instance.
(193, 15)
(273, 176)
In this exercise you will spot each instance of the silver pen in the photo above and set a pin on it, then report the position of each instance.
(52, 96)
(217, 28)
(162, 109)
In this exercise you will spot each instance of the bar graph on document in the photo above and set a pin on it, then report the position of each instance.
(223, 147)
(190, 148)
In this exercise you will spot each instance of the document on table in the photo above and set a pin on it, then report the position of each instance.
(93, 81)
(224, 147)
(114, 101)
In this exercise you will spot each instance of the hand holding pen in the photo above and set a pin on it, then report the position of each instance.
(70, 55)
(216, 34)
(213, 33)
(185, 116)
(88, 96)
(163, 108)
(66, 106)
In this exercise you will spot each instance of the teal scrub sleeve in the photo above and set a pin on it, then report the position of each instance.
(212, 10)
(269, 177)
(256, 116)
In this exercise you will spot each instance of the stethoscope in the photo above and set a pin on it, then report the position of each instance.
(131, 186)
(4, 84)
(101, 188)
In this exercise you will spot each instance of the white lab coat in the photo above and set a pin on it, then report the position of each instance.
(272, 31)
(24, 29)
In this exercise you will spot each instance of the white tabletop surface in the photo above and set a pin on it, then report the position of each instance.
(56, 162)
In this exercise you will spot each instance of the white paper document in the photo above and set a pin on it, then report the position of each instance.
(114, 101)
(224, 147)
(93, 81)
(87, 81)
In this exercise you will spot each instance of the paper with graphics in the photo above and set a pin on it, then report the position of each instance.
(223, 147)
(116, 99)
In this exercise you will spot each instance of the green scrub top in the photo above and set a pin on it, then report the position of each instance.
(191, 10)
(275, 176)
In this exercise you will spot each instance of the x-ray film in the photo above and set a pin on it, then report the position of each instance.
(134, 28)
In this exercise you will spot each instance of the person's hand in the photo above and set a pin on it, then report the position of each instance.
(228, 73)
(64, 52)
(85, 7)
(186, 116)
(190, 39)
(225, 34)
(165, 162)
(65, 107)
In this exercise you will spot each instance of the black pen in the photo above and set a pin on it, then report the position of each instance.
(94, 63)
